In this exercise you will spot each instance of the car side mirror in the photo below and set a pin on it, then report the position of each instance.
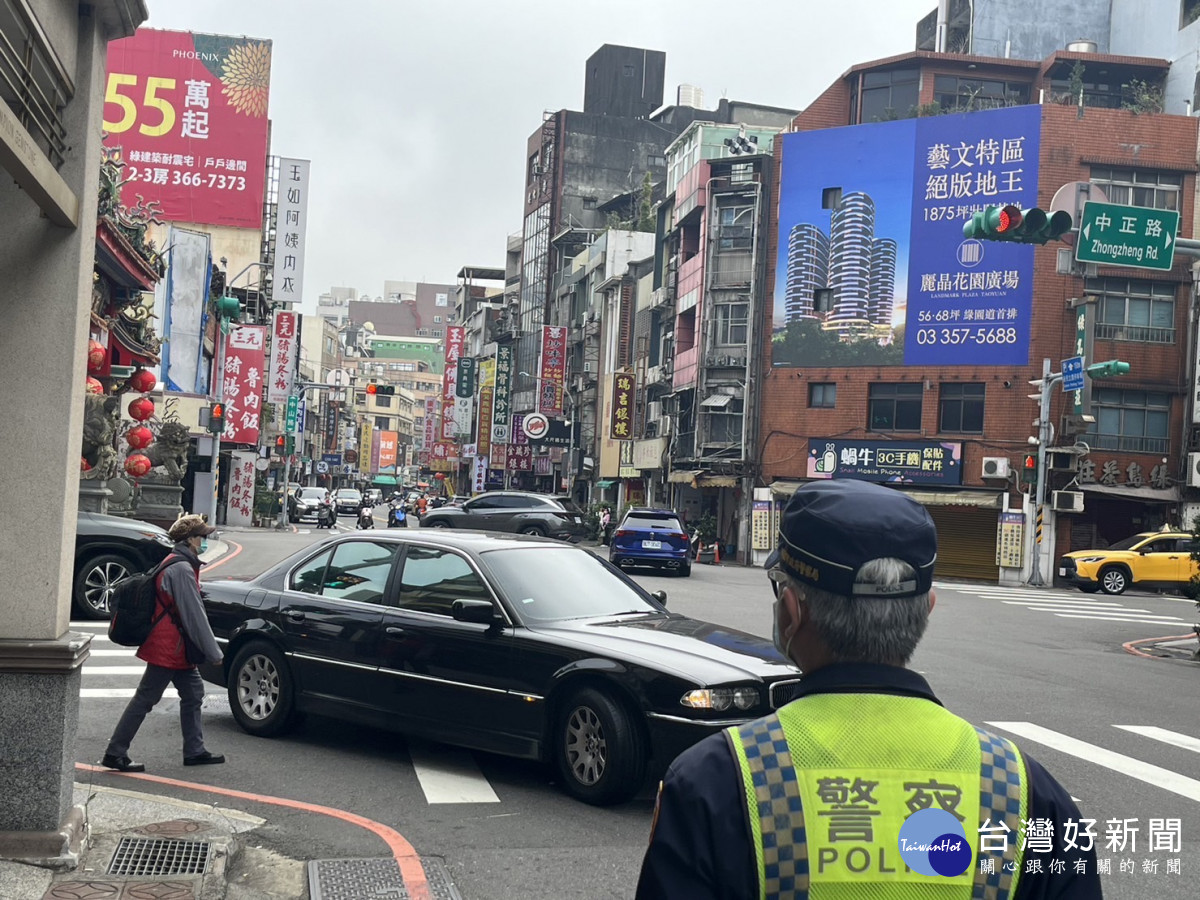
(660, 596)
(481, 612)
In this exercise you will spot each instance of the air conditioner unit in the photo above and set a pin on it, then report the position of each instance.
(1193, 470)
(653, 411)
(1067, 501)
(665, 426)
(1062, 460)
(996, 467)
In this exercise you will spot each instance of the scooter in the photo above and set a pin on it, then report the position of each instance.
(397, 516)
(365, 517)
(326, 516)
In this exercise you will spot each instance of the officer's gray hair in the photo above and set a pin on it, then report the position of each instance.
(870, 629)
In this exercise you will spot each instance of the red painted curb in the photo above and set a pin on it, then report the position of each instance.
(1129, 646)
(237, 548)
(411, 870)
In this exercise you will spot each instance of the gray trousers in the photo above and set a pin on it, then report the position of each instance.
(149, 691)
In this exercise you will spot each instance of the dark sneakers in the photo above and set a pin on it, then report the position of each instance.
(121, 763)
(204, 759)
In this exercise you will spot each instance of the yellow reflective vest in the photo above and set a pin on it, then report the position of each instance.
(831, 778)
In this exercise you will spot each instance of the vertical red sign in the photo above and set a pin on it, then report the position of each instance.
(553, 369)
(242, 383)
(455, 337)
(189, 115)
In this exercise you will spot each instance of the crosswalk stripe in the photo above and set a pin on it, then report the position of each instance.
(1138, 620)
(1107, 611)
(101, 671)
(450, 776)
(1183, 741)
(120, 693)
(1035, 604)
(127, 652)
(1117, 762)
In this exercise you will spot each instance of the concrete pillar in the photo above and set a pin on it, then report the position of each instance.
(45, 302)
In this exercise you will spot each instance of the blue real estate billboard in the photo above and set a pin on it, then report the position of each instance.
(873, 267)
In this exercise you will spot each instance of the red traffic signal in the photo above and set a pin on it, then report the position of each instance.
(216, 418)
(281, 445)
(372, 388)
(1029, 468)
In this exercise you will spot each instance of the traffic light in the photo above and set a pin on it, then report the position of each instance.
(228, 307)
(1108, 369)
(289, 446)
(216, 418)
(381, 390)
(1029, 469)
(1016, 225)
(280, 445)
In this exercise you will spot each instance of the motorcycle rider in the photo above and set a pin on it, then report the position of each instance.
(366, 518)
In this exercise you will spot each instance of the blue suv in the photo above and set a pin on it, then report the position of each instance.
(651, 537)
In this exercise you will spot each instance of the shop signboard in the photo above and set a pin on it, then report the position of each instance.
(553, 370)
(245, 356)
(621, 425)
(501, 404)
(287, 285)
(901, 462)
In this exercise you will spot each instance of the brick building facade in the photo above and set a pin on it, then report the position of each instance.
(1142, 421)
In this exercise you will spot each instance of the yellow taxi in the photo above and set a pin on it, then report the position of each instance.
(1153, 559)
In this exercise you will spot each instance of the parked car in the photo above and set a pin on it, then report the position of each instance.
(513, 511)
(107, 549)
(1155, 559)
(306, 502)
(651, 537)
(347, 501)
(487, 642)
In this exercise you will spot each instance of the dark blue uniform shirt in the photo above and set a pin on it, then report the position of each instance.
(700, 846)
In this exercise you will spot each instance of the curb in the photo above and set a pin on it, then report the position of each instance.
(1131, 646)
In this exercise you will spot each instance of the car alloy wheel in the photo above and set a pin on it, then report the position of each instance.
(95, 585)
(260, 690)
(535, 530)
(586, 748)
(1113, 581)
(601, 753)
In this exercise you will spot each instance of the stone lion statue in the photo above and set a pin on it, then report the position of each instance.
(101, 419)
(169, 452)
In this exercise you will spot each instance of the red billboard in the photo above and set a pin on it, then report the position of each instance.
(554, 369)
(241, 389)
(189, 114)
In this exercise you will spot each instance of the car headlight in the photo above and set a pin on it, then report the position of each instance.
(745, 698)
(1090, 559)
(721, 699)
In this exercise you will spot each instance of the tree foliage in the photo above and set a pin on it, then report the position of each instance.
(806, 343)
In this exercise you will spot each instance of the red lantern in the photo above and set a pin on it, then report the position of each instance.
(137, 464)
(139, 437)
(142, 408)
(440, 476)
(84, 465)
(96, 356)
(142, 381)
(94, 386)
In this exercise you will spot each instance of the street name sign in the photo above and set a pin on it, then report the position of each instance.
(1072, 374)
(293, 404)
(1132, 236)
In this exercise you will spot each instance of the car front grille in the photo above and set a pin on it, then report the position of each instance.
(784, 692)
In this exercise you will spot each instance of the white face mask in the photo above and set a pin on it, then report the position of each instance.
(781, 642)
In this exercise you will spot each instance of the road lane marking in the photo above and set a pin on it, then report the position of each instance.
(1174, 738)
(1062, 604)
(129, 652)
(113, 670)
(450, 776)
(1101, 613)
(120, 693)
(1117, 762)
(1139, 621)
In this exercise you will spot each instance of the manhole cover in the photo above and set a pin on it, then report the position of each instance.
(82, 890)
(174, 828)
(372, 879)
(141, 857)
(159, 890)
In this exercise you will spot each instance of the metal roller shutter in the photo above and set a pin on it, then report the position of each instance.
(966, 542)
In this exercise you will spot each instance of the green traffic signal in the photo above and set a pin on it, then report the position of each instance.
(1020, 226)
(1109, 369)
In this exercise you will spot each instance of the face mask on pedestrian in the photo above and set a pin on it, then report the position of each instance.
(781, 642)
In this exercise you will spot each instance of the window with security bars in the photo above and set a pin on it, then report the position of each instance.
(894, 407)
(1134, 310)
(1139, 187)
(960, 408)
(1131, 420)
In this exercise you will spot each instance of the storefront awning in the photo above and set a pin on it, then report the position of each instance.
(1136, 494)
(385, 479)
(981, 499)
(717, 481)
(684, 476)
(606, 483)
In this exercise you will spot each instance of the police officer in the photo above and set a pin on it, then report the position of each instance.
(814, 796)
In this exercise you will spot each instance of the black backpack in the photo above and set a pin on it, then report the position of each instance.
(132, 606)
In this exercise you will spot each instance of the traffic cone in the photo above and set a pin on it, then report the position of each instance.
(717, 552)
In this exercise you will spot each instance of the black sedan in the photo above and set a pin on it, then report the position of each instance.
(488, 642)
(518, 512)
(107, 549)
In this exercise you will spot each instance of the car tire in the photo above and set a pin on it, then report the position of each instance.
(600, 752)
(1113, 580)
(94, 582)
(535, 530)
(1090, 588)
(261, 690)
(685, 571)
(437, 523)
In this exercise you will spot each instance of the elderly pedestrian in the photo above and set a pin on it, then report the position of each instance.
(180, 620)
(817, 798)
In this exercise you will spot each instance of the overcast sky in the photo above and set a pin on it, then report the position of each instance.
(415, 114)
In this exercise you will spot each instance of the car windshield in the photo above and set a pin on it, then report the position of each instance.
(1129, 543)
(542, 583)
(345, 494)
(312, 493)
(650, 521)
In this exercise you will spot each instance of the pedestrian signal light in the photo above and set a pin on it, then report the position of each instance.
(289, 446)
(1029, 468)
(216, 418)
(280, 445)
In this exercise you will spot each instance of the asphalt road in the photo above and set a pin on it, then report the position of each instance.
(1045, 667)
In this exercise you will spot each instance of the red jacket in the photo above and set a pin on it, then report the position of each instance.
(164, 646)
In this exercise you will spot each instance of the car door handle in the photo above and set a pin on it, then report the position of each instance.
(393, 631)
(294, 616)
